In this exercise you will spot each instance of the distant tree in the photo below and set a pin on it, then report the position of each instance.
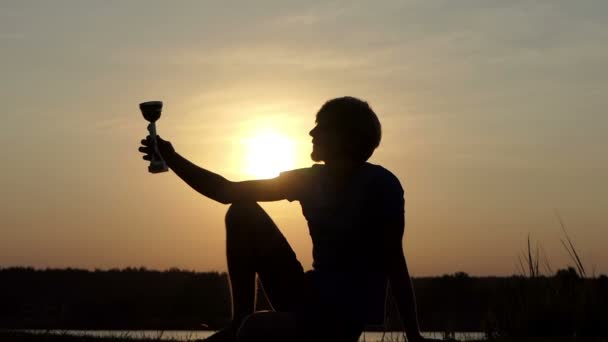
(567, 273)
(461, 275)
(457, 275)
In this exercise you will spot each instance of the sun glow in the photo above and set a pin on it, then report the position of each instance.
(268, 153)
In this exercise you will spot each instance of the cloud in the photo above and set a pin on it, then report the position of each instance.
(11, 36)
(112, 124)
(9, 13)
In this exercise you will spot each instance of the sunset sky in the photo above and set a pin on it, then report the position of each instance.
(494, 116)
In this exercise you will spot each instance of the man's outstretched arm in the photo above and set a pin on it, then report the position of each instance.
(211, 184)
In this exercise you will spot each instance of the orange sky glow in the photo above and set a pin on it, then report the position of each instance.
(493, 119)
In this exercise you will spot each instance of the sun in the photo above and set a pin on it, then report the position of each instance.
(267, 153)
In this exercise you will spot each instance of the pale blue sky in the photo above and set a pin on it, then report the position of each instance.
(494, 115)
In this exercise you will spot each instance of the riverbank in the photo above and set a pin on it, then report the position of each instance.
(13, 336)
(134, 336)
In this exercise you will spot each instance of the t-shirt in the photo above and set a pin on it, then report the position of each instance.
(344, 226)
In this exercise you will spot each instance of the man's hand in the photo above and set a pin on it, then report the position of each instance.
(164, 148)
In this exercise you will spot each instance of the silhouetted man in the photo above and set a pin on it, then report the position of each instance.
(355, 214)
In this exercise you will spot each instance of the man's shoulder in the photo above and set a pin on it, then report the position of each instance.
(295, 184)
(386, 191)
(380, 176)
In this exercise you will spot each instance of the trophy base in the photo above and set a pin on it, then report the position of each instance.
(158, 168)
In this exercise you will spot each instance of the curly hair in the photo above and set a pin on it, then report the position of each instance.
(355, 120)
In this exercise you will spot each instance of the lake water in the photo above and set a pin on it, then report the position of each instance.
(187, 335)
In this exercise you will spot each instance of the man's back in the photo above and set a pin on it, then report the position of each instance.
(346, 224)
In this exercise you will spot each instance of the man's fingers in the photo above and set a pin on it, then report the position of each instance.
(147, 149)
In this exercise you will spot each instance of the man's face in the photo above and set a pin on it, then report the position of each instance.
(326, 142)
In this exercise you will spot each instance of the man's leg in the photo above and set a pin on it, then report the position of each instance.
(254, 244)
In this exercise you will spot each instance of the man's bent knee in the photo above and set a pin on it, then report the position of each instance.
(247, 221)
(242, 212)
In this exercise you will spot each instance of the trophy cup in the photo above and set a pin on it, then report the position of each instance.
(151, 111)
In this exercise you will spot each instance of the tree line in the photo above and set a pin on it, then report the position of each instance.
(138, 298)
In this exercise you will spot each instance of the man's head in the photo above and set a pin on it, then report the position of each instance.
(347, 128)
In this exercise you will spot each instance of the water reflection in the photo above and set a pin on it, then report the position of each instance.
(191, 335)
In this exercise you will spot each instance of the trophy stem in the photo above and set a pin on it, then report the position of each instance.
(157, 164)
(152, 130)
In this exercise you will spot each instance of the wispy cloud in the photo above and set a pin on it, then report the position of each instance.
(11, 36)
(112, 124)
(9, 13)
